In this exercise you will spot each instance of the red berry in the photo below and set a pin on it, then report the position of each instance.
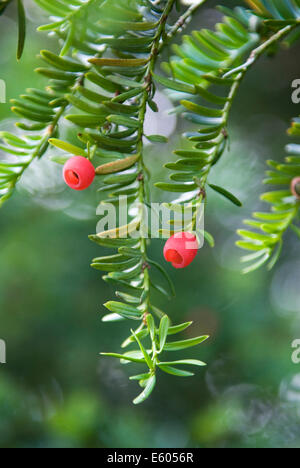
(295, 187)
(79, 173)
(181, 249)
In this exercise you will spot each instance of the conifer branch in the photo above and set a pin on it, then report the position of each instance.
(213, 136)
(143, 198)
(106, 71)
(45, 108)
(185, 18)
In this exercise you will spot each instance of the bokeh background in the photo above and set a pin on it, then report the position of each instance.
(55, 390)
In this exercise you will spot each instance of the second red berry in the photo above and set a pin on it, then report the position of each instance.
(295, 187)
(181, 249)
(79, 173)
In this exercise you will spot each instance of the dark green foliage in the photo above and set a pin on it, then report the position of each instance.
(280, 10)
(126, 77)
(265, 243)
(3, 5)
(21, 23)
(201, 62)
(216, 60)
(41, 110)
(108, 99)
(22, 29)
(102, 81)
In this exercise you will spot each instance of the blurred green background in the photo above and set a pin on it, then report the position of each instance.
(55, 390)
